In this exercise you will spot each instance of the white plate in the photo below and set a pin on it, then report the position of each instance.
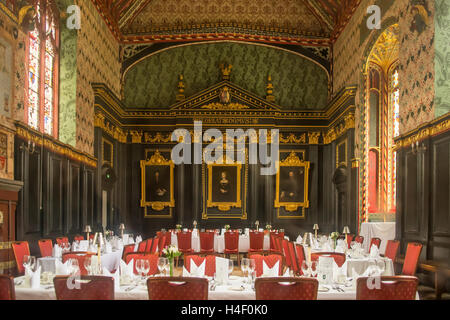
(323, 289)
(236, 288)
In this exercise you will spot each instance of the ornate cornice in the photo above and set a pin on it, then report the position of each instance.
(427, 130)
(114, 131)
(54, 145)
(339, 129)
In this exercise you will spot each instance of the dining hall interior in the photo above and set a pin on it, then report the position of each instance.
(225, 150)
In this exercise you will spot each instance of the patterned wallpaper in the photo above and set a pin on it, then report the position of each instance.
(442, 58)
(68, 81)
(97, 61)
(298, 82)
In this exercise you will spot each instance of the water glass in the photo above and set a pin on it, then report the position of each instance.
(162, 262)
(305, 269)
(244, 267)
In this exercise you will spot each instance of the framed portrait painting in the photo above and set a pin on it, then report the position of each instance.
(224, 186)
(292, 184)
(157, 176)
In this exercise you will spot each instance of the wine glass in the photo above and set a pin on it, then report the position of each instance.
(305, 269)
(32, 263)
(139, 269)
(88, 264)
(162, 264)
(314, 271)
(73, 266)
(244, 267)
(230, 267)
(251, 266)
(145, 267)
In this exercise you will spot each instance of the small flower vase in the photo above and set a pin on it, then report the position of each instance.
(171, 267)
(334, 244)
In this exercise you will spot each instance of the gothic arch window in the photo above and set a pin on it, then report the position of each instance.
(382, 123)
(43, 61)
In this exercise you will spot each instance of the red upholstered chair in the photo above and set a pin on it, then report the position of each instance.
(392, 249)
(161, 243)
(80, 256)
(287, 253)
(149, 245)
(61, 240)
(270, 261)
(154, 245)
(46, 247)
(232, 244)
(168, 239)
(256, 241)
(78, 238)
(90, 288)
(294, 265)
(177, 288)
(129, 248)
(359, 239)
(20, 249)
(339, 258)
(91, 236)
(411, 259)
(206, 242)
(350, 238)
(7, 289)
(142, 245)
(375, 241)
(279, 244)
(152, 258)
(391, 288)
(185, 242)
(286, 289)
(300, 256)
(273, 242)
(210, 267)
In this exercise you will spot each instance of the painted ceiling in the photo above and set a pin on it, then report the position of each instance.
(299, 83)
(288, 20)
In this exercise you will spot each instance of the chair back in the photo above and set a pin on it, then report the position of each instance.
(286, 288)
(129, 248)
(154, 245)
(184, 241)
(411, 259)
(7, 289)
(256, 241)
(177, 288)
(90, 288)
(270, 262)
(149, 245)
(61, 240)
(46, 247)
(390, 288)
(78, 237)
(339, 258)
(20, 249)
(142, 245)
(279, 244)
(231, 241)
(152, 258)
(392, 249)
(294, 263)
(161, 243)
(210, 264)
(206, 242)
(359, 239)
(80, 256)
(375, 241)
(168, 239)
(300, 256)
(287, 253)
(350, 238)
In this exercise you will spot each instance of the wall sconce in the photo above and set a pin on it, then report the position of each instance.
(415, 148)
(31, 147)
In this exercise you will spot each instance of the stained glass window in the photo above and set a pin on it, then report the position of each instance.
(42, 62)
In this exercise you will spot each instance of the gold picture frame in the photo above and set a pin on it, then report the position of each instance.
(291, 206)
(158, 160)
(341, 159)
(224, 205)
(111, 146)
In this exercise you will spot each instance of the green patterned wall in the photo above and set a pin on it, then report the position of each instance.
(442, 58)
(68, 81)
(299, 83)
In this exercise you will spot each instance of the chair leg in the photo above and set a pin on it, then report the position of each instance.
(238, 260)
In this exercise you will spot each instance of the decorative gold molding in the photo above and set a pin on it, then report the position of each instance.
(355, 162)
(338, 163)
(339, 129)
(157, 138)
(291, 138)
(54, 146)
(136, 136)
(228, 106)
(114, 131)
(5, 245)
(7, 265)
(313, 137)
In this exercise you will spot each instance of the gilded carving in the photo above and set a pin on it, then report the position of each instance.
(313, 137)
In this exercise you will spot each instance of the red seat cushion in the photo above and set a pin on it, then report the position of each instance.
(256, 241)
(286, 289)
(392, 249)
(184, 241)
(206, 242)
(177, 288)
(98, 288)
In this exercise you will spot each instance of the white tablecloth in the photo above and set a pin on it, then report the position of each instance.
(219, 243)
(220, 293)
(383, 230)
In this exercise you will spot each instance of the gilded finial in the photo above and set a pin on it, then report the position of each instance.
(269, 89)
(180, 95)
(226, 70)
